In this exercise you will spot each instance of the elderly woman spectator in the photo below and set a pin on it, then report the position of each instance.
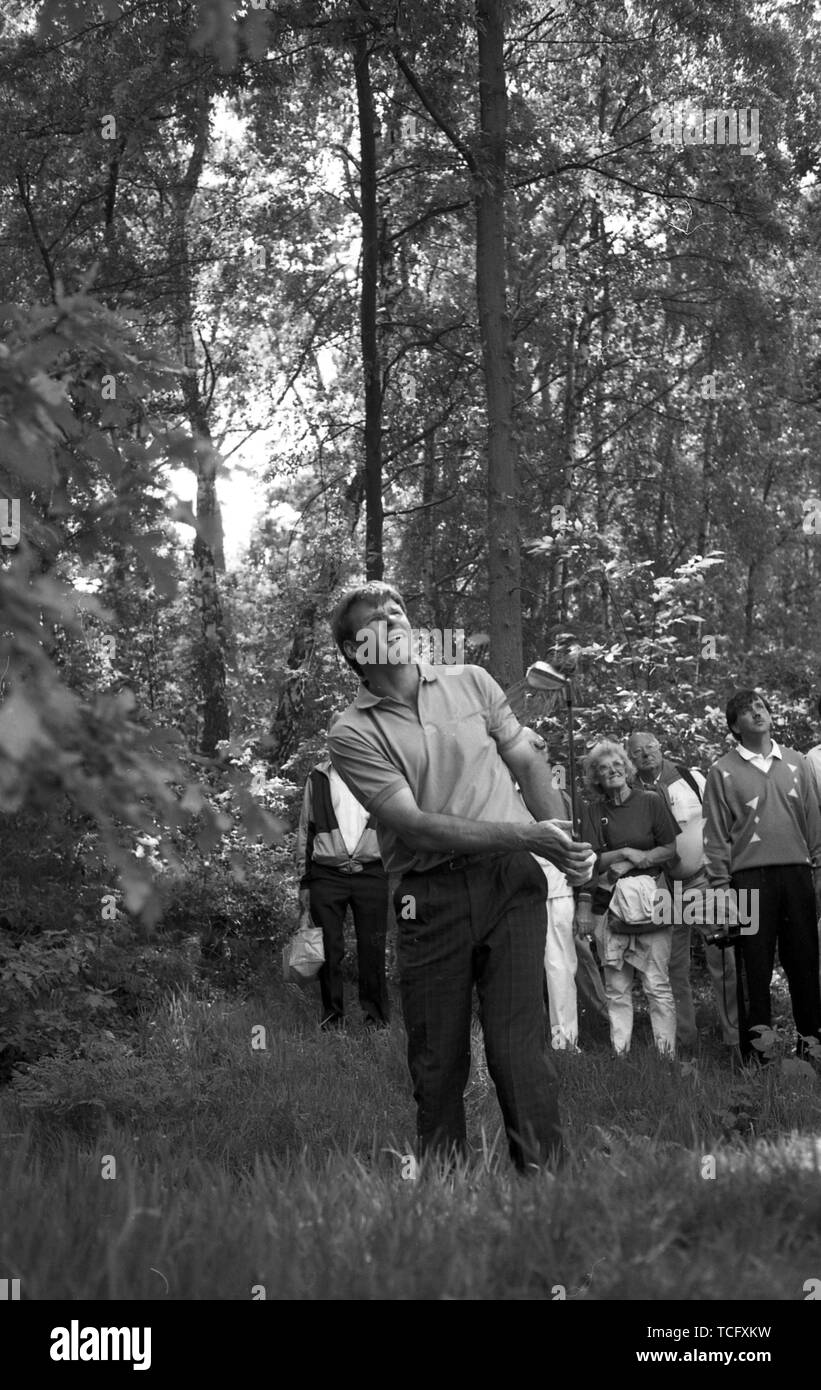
(633, 834)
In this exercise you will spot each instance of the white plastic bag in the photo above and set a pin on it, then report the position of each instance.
(690, 855)
(304, 955)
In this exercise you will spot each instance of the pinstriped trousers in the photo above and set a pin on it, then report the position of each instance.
(483, 924)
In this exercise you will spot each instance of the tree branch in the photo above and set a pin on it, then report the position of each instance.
(416, 86)
(25, 198)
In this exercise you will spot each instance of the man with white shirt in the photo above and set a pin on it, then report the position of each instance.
(570, 967)
(338, 860)
(683, 790)
(763, 836)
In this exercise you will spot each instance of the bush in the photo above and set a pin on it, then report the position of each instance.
(240, 917)
(47, 999)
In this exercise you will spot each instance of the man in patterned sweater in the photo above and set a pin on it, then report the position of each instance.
(763, 835)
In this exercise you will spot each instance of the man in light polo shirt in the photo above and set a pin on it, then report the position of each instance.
(763, 836)
(432, 753)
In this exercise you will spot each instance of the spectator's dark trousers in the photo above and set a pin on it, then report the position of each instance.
(589, 984)
(484, 921)
(786, 917)
(366, 893)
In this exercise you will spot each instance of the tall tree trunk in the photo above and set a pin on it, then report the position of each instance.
(749, 605)
(208, 542)
(705, 522)
(598, 232)
(707, 457)
(503, 536)
(600, 470)
(569, 436)
(430, 588)
(285, 728)
(667, 453)
(371, 365)
(574, 353)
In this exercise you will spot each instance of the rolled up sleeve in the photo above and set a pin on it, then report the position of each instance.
(366, 772)
(502, 724)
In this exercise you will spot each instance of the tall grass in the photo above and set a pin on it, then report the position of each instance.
(281, 1170)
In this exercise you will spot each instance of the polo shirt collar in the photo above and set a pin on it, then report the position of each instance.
(365, 698)
(775, 752)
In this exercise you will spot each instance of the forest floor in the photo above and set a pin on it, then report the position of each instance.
(206, 1159)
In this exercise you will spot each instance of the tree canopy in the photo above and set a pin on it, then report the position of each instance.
(494, 311)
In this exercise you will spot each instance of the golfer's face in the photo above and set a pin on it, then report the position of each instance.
(382, 634)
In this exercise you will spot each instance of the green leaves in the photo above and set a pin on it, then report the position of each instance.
(20, 730)
(217, 31)
(99, 747)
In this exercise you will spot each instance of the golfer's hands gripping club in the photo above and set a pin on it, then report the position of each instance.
(575, 858)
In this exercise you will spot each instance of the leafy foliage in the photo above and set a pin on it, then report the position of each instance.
(180, 270)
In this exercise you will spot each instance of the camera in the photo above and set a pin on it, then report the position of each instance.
(724, 937)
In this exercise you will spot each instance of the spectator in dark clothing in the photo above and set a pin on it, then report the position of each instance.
(340, 867)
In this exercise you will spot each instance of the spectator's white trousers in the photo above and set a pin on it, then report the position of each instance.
(560, 968)
(649, 953)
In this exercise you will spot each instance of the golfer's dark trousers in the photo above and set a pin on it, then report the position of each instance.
(481, 921)
(366, 893)
(786, 917)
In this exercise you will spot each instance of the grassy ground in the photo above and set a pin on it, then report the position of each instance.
(233, 1169)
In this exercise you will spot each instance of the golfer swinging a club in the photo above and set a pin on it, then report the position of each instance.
(432, 753)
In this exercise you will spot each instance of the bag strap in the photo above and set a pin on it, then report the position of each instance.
(690, 780)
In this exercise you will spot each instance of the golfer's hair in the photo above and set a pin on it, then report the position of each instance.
(738, 702)
(341, 627)
(608, 748)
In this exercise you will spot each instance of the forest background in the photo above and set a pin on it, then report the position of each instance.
(466, 294)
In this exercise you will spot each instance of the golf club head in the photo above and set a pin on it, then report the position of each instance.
(542, 676)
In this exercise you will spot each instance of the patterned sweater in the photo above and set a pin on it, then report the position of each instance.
(755, 819)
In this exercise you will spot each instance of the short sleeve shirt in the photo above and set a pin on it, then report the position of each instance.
(683, 801)
(449, 754)
(814, 760)
(643, 822)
